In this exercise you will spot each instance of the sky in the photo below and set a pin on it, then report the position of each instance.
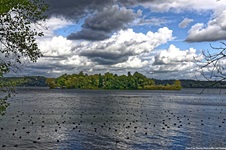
(161, 39)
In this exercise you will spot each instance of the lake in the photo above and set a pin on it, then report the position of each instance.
(41, 118)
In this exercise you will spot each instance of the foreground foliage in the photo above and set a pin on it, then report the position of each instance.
(5, 93)
(136, 81)
(18, 37)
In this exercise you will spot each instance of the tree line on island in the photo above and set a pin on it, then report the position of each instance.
(109, 81)
(40, 81)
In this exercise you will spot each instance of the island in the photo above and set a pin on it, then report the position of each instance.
(109, 81)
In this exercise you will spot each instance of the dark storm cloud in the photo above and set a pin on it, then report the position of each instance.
(47, 70)
(56, 65)
(88, 34)
(106, 58)
(104, 16)
(75, 8)
(134, 2)
(101, 25)
(109, 19)
(102, 61)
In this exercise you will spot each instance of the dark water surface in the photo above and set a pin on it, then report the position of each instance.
(40, 118)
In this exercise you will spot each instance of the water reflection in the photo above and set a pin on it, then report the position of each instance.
(72, 119)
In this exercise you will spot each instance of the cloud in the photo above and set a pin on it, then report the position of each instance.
(174, 55)
(213, 31)
(185, 23)
(106, 58)
(110, 18)
(183, 5)
(58, 58)
(61, 55)
(122, 45)
(103, 18)
(56, 47)
(101, 25)
(88, 34)
(77, 8)
(105, 41)
(134, 2)
(121, 51)
(50, 25)
(133, 62)
(175, 61)
(74, 9)
(150, 22)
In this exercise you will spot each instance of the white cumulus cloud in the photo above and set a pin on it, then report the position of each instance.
(123, 44)
(182, 5)
(213, 31)
(120, 51)
(56, 46)
(175, 63)
(133, 62)
(50, 25)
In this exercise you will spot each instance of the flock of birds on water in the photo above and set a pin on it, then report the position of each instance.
(121, 122)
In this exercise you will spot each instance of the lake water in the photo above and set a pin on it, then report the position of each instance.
(40, 118)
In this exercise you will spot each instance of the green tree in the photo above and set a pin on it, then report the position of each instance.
(139, 79)
(131, 83)
(51, 83)
(17, 38)
(100, 85)
(108, 77)
(177, 85)
(94, 81)
(128, 74)
(81, 73)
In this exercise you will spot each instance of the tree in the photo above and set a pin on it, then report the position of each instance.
(213, 64)
(100, 79)
(177, 85)
(17, 37)
(139, 79)
(51, 83)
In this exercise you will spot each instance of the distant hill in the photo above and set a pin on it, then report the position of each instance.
(194, 83)
(38, 81)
